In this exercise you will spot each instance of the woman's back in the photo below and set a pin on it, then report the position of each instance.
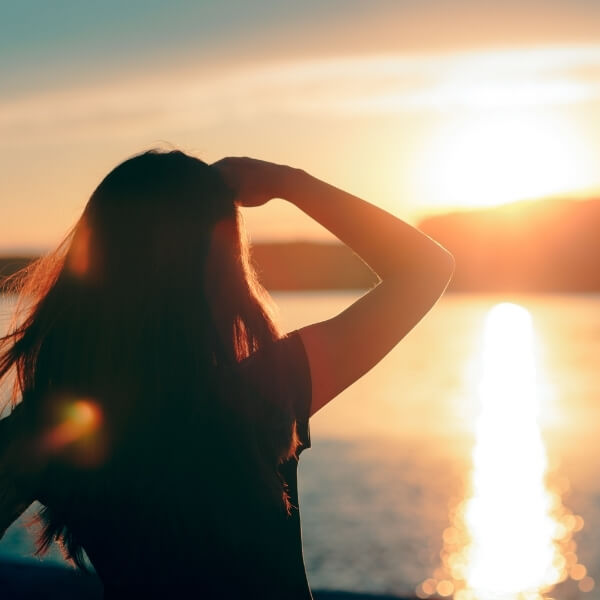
(170, 512)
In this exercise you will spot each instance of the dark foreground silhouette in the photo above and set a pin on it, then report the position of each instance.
(31, 581)
(159, 412)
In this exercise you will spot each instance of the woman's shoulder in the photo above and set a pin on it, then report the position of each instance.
(280, 372)
(282, 361)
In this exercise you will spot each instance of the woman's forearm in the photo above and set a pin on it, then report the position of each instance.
(413, 268)
(391, 247)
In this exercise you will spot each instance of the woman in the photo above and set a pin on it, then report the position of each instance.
(158, 413)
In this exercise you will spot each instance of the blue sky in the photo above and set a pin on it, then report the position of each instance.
(46, 43)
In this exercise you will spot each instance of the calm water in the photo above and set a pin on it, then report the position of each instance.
(468, 458)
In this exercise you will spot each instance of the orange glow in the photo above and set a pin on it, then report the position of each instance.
(420, 131)
(587, 584)
(577, 572)
(79, 262)
(445, 588)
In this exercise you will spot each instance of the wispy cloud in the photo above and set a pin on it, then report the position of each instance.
(350, 86)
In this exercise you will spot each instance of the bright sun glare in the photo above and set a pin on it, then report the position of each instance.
(490, 158)
(511, 538)
(509, 515)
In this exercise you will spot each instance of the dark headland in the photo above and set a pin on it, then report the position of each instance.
(532, 246)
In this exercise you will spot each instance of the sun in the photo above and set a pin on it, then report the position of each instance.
(492, 158)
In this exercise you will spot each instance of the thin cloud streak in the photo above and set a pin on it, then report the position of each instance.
(363, 86)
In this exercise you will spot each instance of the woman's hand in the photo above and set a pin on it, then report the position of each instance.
(254, 181)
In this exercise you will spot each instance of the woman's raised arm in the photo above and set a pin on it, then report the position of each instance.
(413, 269)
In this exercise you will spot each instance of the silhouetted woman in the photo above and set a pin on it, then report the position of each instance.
(158, 413)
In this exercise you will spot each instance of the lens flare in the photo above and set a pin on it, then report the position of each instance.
(78, 421)
(510, 539)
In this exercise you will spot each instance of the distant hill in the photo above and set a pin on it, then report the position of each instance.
(285, 266)
(540, 246)
(11, 264)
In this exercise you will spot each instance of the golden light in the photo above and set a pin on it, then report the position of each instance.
(488, 158)
(79, 256)
(510, 539)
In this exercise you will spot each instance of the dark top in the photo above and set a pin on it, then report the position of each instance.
(134, 558)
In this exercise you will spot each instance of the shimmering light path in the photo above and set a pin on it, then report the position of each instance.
(511, 538)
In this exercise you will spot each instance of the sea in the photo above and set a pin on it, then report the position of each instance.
(466, 464)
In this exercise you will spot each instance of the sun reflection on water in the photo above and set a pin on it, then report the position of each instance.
(511, 538)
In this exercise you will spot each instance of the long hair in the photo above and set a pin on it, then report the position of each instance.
(126, 347)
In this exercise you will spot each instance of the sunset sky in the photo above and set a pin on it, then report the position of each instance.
(419, 106)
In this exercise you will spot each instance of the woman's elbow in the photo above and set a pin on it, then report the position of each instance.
(431, 270)
(448, 264)
(441, 269)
